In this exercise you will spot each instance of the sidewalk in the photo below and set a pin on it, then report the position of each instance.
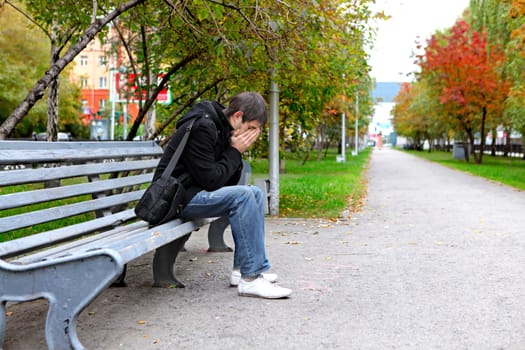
(435, 260)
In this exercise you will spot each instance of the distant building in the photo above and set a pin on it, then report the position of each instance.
(97, 71)
(91, 72)
(381, 125)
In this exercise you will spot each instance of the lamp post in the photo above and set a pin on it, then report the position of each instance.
(343, 128)
(356, 141)
(112, 99)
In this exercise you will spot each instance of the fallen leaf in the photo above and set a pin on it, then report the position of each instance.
(9, 313)
(142, 322)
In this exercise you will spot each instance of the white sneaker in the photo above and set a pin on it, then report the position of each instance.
(235, 277)
(262, 288)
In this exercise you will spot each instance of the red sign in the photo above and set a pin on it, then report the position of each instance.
(129, 88)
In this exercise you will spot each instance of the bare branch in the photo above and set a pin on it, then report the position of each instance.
(179, 110)
(157, 90)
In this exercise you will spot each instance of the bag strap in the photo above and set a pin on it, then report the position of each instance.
(175, 158)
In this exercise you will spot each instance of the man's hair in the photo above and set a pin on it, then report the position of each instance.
(251, 104)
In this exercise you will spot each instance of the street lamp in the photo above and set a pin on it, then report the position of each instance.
(343, 129)
(356, 121)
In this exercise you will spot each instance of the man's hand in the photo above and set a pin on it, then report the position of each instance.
(243, 141)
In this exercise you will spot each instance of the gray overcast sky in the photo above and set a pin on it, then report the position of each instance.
(395, 41)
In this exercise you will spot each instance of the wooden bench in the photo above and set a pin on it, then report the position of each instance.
(84, 192)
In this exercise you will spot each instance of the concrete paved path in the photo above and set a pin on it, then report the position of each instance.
(435, 260)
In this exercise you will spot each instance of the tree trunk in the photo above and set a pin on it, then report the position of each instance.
(149, 123)
(320, 141)
(479, 157)
(52, 99)
(52, 111)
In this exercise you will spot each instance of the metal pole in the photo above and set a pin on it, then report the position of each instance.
(273, 166)
(112, 98)
(125, 121)
(356, 121)
(343, 134)
(343, 126)
(112, 87)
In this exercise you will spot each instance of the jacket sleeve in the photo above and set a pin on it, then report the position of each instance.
(211, 162)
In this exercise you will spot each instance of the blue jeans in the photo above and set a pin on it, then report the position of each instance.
(244, 207)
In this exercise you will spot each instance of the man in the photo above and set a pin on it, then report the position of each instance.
(212, 158)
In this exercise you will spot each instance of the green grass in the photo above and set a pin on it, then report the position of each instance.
(506, 170)
(319, 189)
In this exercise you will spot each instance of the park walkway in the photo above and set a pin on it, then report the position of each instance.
(434, 260)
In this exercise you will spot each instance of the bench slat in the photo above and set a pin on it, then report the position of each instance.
(79, 245)
(23, 176)
(14, 200)
(77, 145)
(138, 243)
(130, 241)
(70, 155)
(24, 244)
(51, 214)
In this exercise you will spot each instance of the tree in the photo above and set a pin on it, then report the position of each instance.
(492, 17)
(38, 90)
(515, 52)
(465, 71)
(211, 49)
(60, 22)
(417, 114)
(22, 60)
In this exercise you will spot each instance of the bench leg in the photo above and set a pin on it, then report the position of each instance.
(69, 284)
(216, 236)
(120, 282)
(164, 263)
(2, 323)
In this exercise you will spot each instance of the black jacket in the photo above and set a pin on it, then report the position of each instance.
(208, 157)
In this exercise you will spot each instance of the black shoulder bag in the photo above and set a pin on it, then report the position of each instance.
(162, 201)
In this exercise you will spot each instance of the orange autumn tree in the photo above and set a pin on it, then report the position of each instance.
(416, 115)
(463, 69)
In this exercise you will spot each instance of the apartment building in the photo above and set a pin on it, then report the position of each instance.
(106, 90)
(91, 71)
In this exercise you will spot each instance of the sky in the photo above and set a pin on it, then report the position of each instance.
(396, 37)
